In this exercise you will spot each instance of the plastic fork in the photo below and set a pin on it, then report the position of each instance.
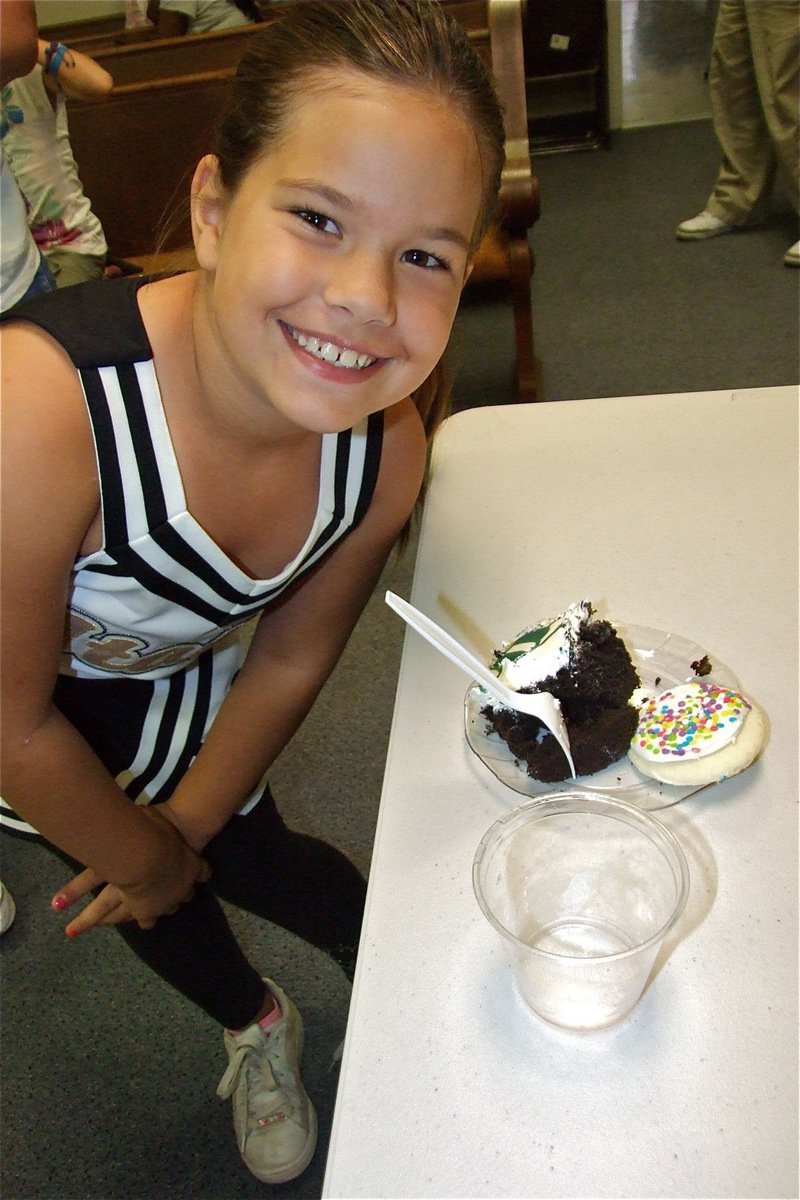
(535, 704)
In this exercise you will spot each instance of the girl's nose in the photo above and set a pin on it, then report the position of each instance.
(363, 283)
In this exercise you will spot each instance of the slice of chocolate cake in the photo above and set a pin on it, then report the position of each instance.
(583, 663)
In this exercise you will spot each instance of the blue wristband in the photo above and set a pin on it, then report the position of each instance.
(54, 56)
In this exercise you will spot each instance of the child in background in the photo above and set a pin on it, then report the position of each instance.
(23, 272)
(173, 18)
(255, 444)
(36, 144)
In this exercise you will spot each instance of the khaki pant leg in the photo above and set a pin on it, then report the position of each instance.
(69, 268)
(748, 158)
(775, 39)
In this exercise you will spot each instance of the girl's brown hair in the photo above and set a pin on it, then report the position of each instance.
(412, 43)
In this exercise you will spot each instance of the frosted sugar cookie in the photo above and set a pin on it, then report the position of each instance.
(696, 733)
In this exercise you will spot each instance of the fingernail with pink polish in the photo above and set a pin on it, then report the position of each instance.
(59, 903)
(71, 933)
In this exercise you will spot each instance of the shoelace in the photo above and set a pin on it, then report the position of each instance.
(267, 1096)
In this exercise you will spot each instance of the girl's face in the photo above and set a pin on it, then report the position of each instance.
(337, 265)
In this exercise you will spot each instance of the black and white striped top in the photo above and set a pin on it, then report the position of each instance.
(160, 590)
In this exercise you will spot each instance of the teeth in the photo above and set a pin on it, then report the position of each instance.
(331, 353)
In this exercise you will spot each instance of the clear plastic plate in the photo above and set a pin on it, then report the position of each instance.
(662, 660)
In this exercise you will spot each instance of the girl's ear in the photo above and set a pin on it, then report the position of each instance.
(208, 211)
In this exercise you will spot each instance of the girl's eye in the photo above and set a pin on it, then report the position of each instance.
(423, 258)
(317, 220)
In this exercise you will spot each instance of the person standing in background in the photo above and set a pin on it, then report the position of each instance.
(35, 133)
(23, 271)
(754, 99)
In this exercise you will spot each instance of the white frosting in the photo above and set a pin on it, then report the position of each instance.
(699, 770)
(688, 721)
(537, 654)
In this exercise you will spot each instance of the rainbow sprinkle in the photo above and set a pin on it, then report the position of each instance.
(691, 719)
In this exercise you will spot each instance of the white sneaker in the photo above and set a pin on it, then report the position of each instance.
(8, 909)
(274, 1120)
(702, 226)
(792, 256)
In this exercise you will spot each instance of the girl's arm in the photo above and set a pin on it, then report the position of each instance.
(50, 774)
(296, 646)
(78, 75)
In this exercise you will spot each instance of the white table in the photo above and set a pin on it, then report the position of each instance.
(677, 512)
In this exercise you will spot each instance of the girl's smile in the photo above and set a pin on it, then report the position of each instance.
(331, 353)
(338, 264)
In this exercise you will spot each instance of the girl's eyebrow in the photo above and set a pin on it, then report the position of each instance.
(445, 234)
(331, 195)
(439, 233)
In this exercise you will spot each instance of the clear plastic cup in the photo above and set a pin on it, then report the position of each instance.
(582, 890)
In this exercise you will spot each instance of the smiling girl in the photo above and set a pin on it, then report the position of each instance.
(182, 454)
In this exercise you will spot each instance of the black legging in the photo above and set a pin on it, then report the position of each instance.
(258, 864)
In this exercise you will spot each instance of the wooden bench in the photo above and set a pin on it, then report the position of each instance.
(88, 29)
(169, 58)
(96, 35)
(137, 148)
(93, 35)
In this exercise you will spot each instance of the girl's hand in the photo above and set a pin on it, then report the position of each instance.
(108, 908)
(162, 892)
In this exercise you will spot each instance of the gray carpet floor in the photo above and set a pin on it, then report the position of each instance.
(108, 1080)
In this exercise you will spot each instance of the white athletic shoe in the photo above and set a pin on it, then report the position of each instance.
(702, 226)
(792, 256)
(8, 909)
(274, 1120)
